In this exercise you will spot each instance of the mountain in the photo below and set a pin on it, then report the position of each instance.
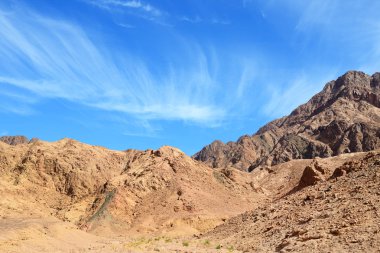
(335, 211)
(17, 140)
(343, 118)
(314, 186)
(113, 192)
(67, 196)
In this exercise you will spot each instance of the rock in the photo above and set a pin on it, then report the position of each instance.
(332, 216)
(91, 186)
(338, 172)
(310, 176)
(14, 140)
(282, 245)
(335, 232)
(342, 118)
(33, 140)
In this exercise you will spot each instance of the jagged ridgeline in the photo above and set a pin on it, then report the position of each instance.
(102, 190)
(54, 192)
(343, 118)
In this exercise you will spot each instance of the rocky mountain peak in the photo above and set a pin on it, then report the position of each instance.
(168, 151)
(17, 139)
(343, 118)
(375, 81)
(353, 79)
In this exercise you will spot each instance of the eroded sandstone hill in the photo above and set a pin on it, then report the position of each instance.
(322, 205)
(312, 190)
(49, 190)
(113, 192)
(344, 117)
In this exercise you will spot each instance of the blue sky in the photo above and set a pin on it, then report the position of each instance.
(142, 74)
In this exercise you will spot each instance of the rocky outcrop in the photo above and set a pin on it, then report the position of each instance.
(14, 140)
(343, 118)
(312, 175)
(67, 166)
(337, 213)
(17, 139)
(125, 191)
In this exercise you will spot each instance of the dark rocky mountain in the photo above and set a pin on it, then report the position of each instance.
(343, 118)
(17, 139)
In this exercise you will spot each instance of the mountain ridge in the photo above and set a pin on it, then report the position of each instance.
(346, 111)
(104, 191)
(307, 169)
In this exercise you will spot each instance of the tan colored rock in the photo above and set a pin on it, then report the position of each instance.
(118, 192)
(311, 176)
(339, 172)
(330, 216)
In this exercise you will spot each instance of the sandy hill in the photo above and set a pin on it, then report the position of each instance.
(344, 117)
(67, 196)
(314, 187)
(328, 205)
(113, 192)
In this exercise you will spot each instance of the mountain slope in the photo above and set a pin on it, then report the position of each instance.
(336, 212)
(114, 192)
(16, 140)
(49, 190)
(344, 117)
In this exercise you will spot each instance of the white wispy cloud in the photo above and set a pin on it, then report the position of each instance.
(369, 59)
(131, 7)
(133, 4)
(188, 19)
(56, 59)
(16, 101)
(351, 29)
(142, 128)
(316, 13)
(16, 109)
(247, 78)
(125, 25)
(135, 127)
(220, 21)
(287, 95)
(197, 19)
(353, 24)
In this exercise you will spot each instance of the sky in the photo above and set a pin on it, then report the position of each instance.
(142, 74)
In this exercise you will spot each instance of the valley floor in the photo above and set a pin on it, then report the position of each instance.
(311, 205)
(26, 234)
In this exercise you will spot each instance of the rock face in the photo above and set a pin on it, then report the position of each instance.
(338, 214)
(105, 191)
(343, 118)
(14, 140)
(311, 175)
(17, 139)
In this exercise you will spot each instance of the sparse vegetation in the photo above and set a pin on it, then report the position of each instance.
(68, 189)
(221, 178)
(137, 243)
(102, 209)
